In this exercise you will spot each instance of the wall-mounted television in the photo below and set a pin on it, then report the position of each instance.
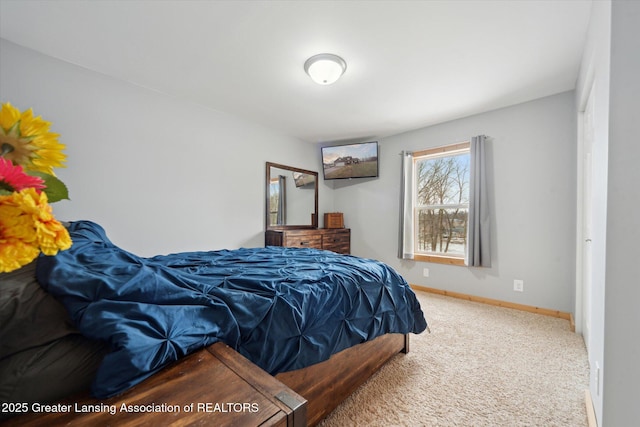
(359, 160)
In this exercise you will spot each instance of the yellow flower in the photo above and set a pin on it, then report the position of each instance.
(27, 226)
(27, 141)
(52, 236)
(18, 238)
(15, 254)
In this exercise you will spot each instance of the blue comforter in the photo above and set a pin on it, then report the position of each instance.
(282, 308)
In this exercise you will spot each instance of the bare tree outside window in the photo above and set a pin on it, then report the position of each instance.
(442, 203)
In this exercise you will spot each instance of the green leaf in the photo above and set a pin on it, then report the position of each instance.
(56, 190)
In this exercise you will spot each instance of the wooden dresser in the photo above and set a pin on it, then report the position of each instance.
(331, 239)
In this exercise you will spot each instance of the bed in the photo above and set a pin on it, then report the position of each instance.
(306, 317)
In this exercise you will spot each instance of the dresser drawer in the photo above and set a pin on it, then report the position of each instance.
(304, 241)
(337, 241)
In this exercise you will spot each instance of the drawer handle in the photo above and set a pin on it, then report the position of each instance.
(304, 243)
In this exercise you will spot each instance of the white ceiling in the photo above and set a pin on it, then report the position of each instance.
(409, 63)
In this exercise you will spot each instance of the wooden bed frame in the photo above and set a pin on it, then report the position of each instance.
(325, 385)
(218, 385)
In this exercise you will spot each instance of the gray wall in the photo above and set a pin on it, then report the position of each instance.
(622, 290)
(531, 156)
(161, 174)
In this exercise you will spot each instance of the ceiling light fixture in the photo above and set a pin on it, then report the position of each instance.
(325, 68)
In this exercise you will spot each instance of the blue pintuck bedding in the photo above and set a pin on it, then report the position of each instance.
(282, 308)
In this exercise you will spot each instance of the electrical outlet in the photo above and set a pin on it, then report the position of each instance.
(518, 285)
(425, 272)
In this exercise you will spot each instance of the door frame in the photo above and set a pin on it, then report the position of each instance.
(582, 295)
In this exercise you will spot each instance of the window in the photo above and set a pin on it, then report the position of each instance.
(277, 200)
(444, 210)
(441, 203)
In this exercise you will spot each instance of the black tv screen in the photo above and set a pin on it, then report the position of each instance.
(358, 160)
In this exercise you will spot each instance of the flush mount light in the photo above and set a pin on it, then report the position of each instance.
(325, 68)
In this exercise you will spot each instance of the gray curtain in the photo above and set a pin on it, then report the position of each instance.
(281, 218)
(405, 243)
(479, 230)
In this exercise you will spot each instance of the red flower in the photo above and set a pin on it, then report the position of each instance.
(13, 178)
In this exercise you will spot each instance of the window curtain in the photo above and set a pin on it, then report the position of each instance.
(405, 244)
(478, 241)
(281, 218)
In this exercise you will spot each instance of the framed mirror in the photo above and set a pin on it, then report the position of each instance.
(291, 197)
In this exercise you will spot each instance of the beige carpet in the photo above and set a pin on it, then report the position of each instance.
(480, 366)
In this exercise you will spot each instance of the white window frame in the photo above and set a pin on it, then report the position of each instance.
(444, 151)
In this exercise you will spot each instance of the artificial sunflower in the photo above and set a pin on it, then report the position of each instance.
(26, 140)
(28, 154)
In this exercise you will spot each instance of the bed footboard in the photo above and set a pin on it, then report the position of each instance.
(213, 386)
(195, 389)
